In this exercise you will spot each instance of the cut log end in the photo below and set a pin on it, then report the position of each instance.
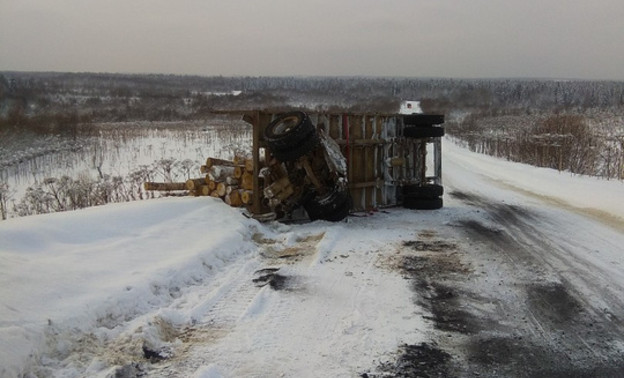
(246, 197)
(192, 184)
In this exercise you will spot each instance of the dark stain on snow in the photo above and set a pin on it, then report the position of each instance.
(540, 327)
(446, 313)
(431, 267)
(423, 360)
(465, 197)
(500, 356)
(271, 277)
(430, 245)
(132, 370)
(552, 303)
(153, 355)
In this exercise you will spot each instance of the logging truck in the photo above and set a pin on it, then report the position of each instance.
(333, 164)
(327, 165)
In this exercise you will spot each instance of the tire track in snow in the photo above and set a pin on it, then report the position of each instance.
(238, 301)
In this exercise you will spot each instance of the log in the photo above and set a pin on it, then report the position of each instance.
(275, 188)
(203, 169)
(230, 188)
(221, 189)
(211, 184)
(220, 173)
(247, 197)
(247, 181)
(238, 172)
(239, 160)
(204, 190)
(234, 199)
(214, 194)
(249, 165)
(210, 162)
(192, 184)
(164, 186)
(285, 193)
(231, 181)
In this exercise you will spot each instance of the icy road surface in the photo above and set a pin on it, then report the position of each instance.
(520, 274)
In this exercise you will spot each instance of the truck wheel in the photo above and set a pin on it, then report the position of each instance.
(423, 119)
(292, 153)
(423, 191)
(423, 132)
(418, 203)
(333, 207)
(288, 130)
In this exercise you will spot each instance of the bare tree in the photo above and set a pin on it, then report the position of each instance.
(5, 196)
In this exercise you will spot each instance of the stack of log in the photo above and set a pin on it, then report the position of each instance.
(230, 180)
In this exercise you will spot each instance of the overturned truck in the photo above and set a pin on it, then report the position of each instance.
(333, 164)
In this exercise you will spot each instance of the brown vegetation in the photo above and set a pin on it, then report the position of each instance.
(565, 142)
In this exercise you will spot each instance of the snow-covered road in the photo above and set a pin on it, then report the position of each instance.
(520, 274)
(544, 293)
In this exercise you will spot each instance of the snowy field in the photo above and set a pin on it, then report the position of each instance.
(119, 150)
(519, 274)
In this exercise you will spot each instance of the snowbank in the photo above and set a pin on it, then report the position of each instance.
(105, 265)
(593, 196)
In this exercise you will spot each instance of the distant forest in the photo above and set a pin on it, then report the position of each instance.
(43, 98)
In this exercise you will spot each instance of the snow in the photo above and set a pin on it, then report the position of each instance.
(125, 272)
(83, 293)
(102, 265)
(590, 195)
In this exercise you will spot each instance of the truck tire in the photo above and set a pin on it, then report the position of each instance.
(419, 203)
(292, 153)
(423, 119)
(423, 191)
(333, 207)
(288, 130)
(423, 132)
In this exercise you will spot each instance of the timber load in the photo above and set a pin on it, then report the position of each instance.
(229, 180)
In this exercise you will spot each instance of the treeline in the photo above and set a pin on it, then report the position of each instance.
(566, 142)
(120, 97)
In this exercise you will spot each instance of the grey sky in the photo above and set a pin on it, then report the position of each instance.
(420, 38)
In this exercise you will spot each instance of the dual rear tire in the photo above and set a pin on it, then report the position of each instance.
(423, 197)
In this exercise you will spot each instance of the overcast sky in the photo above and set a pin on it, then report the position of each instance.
(417, 38)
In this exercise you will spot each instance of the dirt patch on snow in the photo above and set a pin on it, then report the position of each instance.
(552, 303)
(430, 245)
(447, 314)
(498, 307)
(301, 247)
(424, 360)
(276, 280)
